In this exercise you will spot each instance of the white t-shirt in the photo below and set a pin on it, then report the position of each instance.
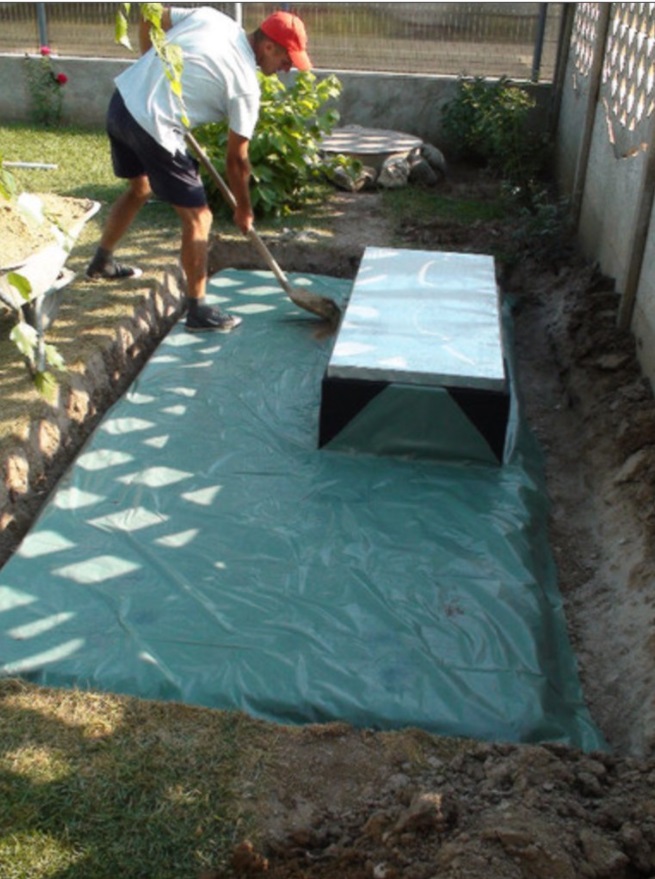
(219, 79)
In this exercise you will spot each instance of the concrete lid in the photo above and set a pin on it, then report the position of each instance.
(355, 139)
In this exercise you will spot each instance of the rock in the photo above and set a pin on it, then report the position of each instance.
(394, 173)
(435, 159)
(421, 173)
(383, 871)
(365, 179)
(428, 811)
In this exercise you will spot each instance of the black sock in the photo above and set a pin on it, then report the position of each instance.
(102, 259)
(196, 306)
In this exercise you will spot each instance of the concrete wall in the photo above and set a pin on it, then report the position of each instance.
(610, 196)
(643, 318)
(86, 94)
(608, 97)
(407, 103)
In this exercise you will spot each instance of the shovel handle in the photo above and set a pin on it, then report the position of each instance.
(226, 192)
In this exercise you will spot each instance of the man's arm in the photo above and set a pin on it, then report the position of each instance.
(238, 175)
(145, 42)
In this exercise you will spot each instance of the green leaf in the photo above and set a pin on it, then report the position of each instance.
(54, 358)
(152, 12)
(121, 26)
(25, 338)
(46, 384)
(8, 185)
(21, 284)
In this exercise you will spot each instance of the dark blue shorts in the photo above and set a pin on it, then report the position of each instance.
(134, 152)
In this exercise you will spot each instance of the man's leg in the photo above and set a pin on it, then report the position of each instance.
(119, 220)
(196, 225)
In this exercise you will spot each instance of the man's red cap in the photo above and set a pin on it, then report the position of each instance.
(289, 32)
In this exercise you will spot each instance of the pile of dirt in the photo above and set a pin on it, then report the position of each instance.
(334, 802)
(362, 810)
(22, 233)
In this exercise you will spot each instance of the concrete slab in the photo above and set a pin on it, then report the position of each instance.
(427, 320)
(422, 317)
(370, 145)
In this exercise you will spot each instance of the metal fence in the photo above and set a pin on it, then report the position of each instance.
(518, 40)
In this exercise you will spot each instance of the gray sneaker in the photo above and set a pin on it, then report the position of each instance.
(208, 319)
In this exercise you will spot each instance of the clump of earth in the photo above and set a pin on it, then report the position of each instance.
(358, 804)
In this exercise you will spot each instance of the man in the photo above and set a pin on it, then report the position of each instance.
(219, 80)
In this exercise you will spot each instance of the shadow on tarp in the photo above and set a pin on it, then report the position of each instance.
(202, 549)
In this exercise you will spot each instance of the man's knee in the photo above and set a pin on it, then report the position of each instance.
(197, 221)
(139, 188)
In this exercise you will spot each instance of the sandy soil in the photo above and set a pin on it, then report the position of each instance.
(24, 233)
(336, 802)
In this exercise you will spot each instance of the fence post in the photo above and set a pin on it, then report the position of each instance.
(563, 50)
(43, 24)
(590, 110)
(539, 41)
(639, 236)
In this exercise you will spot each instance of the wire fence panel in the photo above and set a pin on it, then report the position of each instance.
(474, 39)
(457, 39)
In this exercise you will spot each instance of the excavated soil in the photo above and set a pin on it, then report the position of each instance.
(330, 801)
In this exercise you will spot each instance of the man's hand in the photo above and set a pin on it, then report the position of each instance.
(244, 219)
(237, 166)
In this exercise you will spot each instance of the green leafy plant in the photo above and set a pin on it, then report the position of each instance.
(46, 88)
(287, 166)
(488, 122)
(40, 357)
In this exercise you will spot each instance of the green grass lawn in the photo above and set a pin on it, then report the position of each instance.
(106, 786)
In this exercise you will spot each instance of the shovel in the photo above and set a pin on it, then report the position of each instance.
(319, 305)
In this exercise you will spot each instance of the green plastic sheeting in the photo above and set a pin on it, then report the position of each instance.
(408, 421)
(203, 549)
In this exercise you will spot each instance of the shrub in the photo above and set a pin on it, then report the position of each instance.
(45, 88)
(488, 122)
(285, 149)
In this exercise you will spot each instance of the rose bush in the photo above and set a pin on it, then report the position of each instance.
(45, 88)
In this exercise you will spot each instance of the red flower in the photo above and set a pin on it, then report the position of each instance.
(45, 50)
(61, 78)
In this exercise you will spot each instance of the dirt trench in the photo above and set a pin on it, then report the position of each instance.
(389, 808)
